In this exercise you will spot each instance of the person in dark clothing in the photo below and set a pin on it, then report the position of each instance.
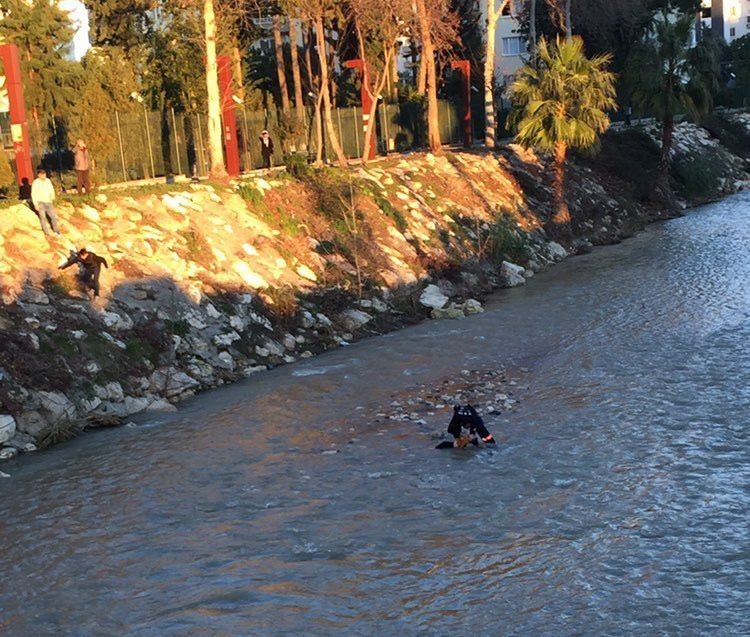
(24, 190)
(266, 149)
(91, 267)
(466, 427)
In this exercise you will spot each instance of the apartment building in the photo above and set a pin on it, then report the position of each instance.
(728, 18)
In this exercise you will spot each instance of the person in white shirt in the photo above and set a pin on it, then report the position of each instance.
(43, 198)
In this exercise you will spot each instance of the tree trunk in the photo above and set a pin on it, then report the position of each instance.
(422, 74)
(489, 76)
(661, 187)
(239, 76)
(322, 56)
(394, 77)
(428, 55)
(562, 214)
(299, 102)
(568, 21)
(532, 31)
(280, 65)
(215, 137)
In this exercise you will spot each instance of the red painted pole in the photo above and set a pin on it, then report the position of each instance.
(229, 118)
(19, 128)
(367, 99)
(463, 67)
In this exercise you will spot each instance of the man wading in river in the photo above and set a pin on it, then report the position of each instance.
(466, 427)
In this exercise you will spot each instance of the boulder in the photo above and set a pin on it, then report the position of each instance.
(472, 306)
(354, 319)
(171, 382)
(7, 428)
(453, 311)
(511, 275)
(56, 406)
(556, 252)
(433, 297)
(32, 423)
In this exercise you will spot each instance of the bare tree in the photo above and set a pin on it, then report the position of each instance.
(215, 137)
(379, 25)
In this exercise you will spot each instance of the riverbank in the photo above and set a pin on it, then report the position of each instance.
(209, 284)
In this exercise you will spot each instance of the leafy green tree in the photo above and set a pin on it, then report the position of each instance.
(739, 52)
(7, 177)
(562, 103)
(109, 79)
(43, 33)
(670, 77)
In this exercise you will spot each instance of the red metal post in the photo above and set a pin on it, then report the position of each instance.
(367, 100)
(463, 67)
(231, 147)
(19, 128)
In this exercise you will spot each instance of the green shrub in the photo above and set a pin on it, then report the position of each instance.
(297, 165)
(250, 193)
(7, 177)
(507, 241)
(696, 178)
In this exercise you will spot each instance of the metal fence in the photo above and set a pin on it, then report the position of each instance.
(153, 144)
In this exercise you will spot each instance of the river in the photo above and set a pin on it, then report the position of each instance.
(616, 503)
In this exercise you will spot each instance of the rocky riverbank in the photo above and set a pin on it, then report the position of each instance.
(211, 283)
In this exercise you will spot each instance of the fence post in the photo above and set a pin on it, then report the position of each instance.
(122, 154)
(386, 130)
(356, 132)
(246, 137)
(176, 142)
(341, 135)
(148, 138)
(202, 150)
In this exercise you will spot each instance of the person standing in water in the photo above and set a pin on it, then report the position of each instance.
(466, 427)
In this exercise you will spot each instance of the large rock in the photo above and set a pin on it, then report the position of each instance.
(354, 319)
(433, 297)
(7, 428)
(556, 252)
(511, 275)
(56, 406)
(171, 382)
(32, 423)
(453, 311)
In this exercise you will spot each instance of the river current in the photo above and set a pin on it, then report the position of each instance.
(617, 501)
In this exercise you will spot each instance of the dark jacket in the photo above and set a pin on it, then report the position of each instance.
(266, 150)
(467, 418)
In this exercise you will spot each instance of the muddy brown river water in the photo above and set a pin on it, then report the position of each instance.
(617, 502)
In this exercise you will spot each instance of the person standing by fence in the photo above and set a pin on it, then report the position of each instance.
(83, 165)
(266, 149)
(43, 197)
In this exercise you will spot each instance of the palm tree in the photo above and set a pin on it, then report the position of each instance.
(670, 77)
(562, 103)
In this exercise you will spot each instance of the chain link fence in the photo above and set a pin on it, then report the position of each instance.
(146, 144)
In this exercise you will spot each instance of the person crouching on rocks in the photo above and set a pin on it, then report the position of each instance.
(466, 427)
(91, 267)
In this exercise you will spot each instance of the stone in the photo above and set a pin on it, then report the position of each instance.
(8, 453)
(354, 319)
(251, 278)
(289, 342)
(322, 320)
(511, 275)
(56, 406)
(451, 312)
(236, 323)
(306, 273)
(556, 252)
(432, 297)
(114, 392)
(87, 406)
(7, 428)
(161, 405)
(172, 382)
(226, 340)
(212, 311)
(378, 305)
(32, 423)
(35, 296)
(225, 361)
(253, 369)
(134, 405)
(472, 306)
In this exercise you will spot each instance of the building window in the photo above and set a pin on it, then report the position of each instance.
(513, 46)
(266, 44)
(732, 32)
